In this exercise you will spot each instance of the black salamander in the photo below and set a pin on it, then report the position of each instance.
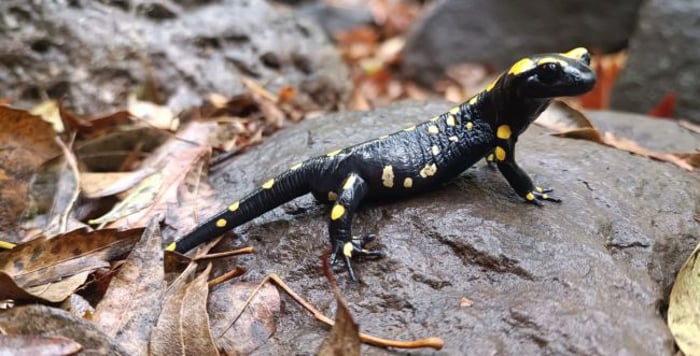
(420, 156)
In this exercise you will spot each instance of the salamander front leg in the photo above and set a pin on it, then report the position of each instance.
(344, 246)
(519, 180)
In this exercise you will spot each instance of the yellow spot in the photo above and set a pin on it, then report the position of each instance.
(453, 138)
(349, 182)
(337, 212)
(347, 249)
(410, 128)
(455, 110)
(539, 189)
(545, 196)
(503, 132)
(473, 100)
(388, 176)
(552, 60)
(490, 157)
(332, 196)
(530, 196)
(576, 53)
(221, 223)
(436, 118)
(331, 154)
(171, 247)
(296, 166)
(234, 206)
(408, 182)
(451, 121)
(433, 129)
(522, 65)
(500, 153)
(469, 125)
(269, 183)
(493, 83)
(428, 170)
(383, 137)
(436, 150)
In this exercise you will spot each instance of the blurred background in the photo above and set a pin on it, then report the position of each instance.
(339, 54)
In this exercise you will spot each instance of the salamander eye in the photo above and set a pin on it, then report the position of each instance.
(548, 72)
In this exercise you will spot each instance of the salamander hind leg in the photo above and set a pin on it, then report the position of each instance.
(345, 247)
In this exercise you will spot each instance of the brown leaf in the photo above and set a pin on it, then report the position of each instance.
(344, 339)
(253, 327)
(102, 184)
(153, 114)
(37, 345)
(49, 111)
(46, 321)
(665, 107)
(183, 325)
(684, 306)
(571, 123)
(561, 117)
(44, 260)
(692, 127)
(28, 142)
(131, 305)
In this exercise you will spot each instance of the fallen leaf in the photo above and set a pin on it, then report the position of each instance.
(49, 110)
(689, 125)
(107, 153)
(253, 327)
(37, 345)
(155, 115)
(44, 260)
(571, 123)
(141, 197)
(40, 320)
(465, 302)
(60, 290)
(344, 339)
(684, 306)
(183, 325)
(665, 106)
(131, 305)
(103, 184)
(28, 142)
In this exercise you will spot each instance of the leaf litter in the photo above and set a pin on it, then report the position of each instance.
(155, 162)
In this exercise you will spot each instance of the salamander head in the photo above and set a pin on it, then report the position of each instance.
(551, 75)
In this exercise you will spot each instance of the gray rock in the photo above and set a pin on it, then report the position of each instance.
(93, 54)
(588, 276)
(498, 32)
(664, 56)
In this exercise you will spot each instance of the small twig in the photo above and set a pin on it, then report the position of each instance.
(432, 342)
(226, 276)
(211, 256)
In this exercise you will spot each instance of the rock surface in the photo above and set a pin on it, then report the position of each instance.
(664, 56)
(498, 32)
(94, 53)
(589, 276)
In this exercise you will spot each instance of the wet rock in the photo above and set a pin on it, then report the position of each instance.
(499, 32)
(93, 54)
(664, 57)
(587, 276)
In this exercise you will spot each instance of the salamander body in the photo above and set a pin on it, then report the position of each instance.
(418, 157)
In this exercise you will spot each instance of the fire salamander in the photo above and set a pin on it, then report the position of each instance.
(420, 156)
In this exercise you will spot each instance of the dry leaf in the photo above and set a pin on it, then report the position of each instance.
(183, 325)
(40, 320)
(28, 142)
(37, 345)
(45, 260)
(153, 114)
(256, 324)
(344, 339)
(465, 302)
(571, 123)
(131, 305)
(684, 306)
(49, 111)
(103, 184)
(665, 107)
